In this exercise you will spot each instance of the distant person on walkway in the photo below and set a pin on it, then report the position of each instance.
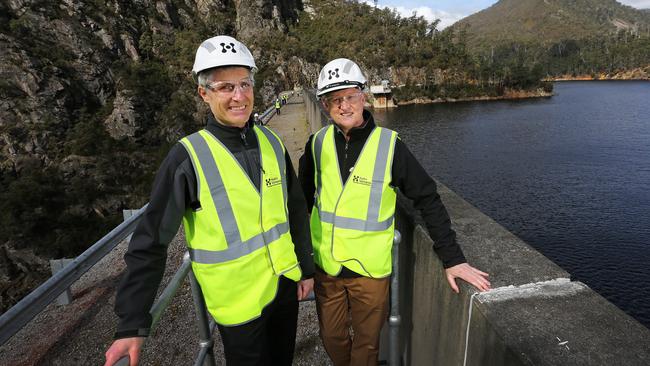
(277, 106)
(350, 173)
(233, 186)
(256, 119)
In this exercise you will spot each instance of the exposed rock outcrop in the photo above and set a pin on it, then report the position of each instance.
(20, 271)
(122, 122)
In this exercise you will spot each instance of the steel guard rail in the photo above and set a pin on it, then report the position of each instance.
(267, 114)
(20, 314)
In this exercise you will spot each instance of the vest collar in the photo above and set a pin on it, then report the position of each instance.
(362, 132)
(219, 129)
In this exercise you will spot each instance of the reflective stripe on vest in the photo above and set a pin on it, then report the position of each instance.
(367, 207)
(239, 241)
(238, 248)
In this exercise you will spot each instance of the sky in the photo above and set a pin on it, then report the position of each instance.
(450, 11)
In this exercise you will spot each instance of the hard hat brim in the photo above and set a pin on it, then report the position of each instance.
(335, 87)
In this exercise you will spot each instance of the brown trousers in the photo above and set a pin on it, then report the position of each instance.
(358, 302)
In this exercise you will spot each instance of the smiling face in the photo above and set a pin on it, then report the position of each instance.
(230, 107)
(345, 106)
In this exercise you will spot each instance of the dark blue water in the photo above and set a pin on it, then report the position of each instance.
(570, 175)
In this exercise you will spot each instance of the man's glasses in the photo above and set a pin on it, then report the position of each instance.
(350, 99)
(227, 87)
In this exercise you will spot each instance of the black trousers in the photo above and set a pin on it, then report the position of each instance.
(268, 340)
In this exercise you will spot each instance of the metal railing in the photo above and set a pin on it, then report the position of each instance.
(26, 309)
(205, 323)
(394, 320)
(267, 115)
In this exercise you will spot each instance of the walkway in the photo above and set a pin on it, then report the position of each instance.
(293, 128)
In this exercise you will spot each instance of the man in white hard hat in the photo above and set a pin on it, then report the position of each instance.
(350, 172)
(233, 187)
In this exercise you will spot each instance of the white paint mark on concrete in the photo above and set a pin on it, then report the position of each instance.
(551, 288)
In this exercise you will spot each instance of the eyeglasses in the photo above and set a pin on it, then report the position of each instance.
(350, 99)
(227, 87)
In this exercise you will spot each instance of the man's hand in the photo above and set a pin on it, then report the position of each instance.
(124, 347)
(468, 273)
(304, 288)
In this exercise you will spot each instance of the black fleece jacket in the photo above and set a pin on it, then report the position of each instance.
(174, 192)
(407, 175)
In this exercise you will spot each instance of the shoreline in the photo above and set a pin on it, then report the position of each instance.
(637, 74)
(590, 78)
(508, 95)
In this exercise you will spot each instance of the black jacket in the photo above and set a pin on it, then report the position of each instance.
(407, 175)
(174, 191)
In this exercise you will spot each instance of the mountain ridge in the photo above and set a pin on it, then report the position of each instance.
(548, 21)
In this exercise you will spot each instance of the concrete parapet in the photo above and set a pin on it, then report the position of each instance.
(535, 315)
(316, 116)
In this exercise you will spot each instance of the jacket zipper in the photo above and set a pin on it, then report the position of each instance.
(345, 157)
(247, 158)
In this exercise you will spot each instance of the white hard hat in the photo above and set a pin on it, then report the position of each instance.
(222, 51)
(340, 73)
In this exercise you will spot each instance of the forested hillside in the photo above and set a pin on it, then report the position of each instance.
(601, 38)
(408, 51)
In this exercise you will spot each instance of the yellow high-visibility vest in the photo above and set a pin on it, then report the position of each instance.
(352, 223)
(239, 241)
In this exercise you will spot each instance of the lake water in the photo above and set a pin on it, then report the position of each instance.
(570, 175)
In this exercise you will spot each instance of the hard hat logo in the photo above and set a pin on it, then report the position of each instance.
(226, 47)
(334, 73)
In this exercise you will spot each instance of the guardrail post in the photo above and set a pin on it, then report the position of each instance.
(126, 214)
(56, 265)
(394, 320)
(12, 320)
(205, 333)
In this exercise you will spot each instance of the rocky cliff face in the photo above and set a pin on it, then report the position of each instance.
(257, 18)
(93, 93)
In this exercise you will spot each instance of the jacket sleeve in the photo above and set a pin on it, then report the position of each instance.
(411, 178)
(147, 253)
(299, 222)
(306, 175)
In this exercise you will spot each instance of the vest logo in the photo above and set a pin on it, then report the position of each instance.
(357, 179)
(273, 181)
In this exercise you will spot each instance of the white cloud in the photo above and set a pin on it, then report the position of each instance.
(639, 4)
(446, 18)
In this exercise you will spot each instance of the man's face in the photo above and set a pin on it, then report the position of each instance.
(230, 95)
(345, 106)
